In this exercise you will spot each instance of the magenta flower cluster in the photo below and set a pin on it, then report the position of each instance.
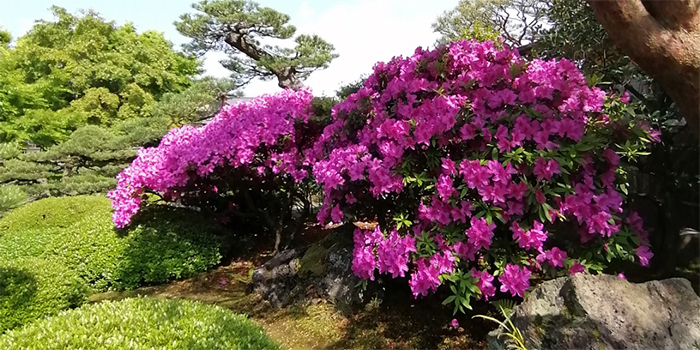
(373, 251)
(258, 135)
(473, 139)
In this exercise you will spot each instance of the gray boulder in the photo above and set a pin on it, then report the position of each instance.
(322, 270)
(606, 312)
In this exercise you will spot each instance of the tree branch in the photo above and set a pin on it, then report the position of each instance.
(676, 14)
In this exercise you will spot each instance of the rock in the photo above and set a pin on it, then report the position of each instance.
(323, 271)
(282, 257)
(606, 312)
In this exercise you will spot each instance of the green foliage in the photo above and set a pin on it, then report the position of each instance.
(518, 22)
(141, 324)
(5, 38)
(20, 170)
(163, 244)
(11, 197)
(52, 213)
(9, 151)
(577, 35)
(514, 340)
(86, 163)
(241, 25)
(84, 184)
(80, 70)
(145, 132)
(322, 106)
(32, 288)
(166, 243)
(313, 261)
(348, 89)
(199, 101)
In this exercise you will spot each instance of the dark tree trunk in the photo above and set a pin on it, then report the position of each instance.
(287, 79)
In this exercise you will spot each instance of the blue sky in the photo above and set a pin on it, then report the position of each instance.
(363, 31)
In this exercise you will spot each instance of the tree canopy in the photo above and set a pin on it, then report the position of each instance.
(199, 101)
(240, 29)
(518, 22)
(81, 69)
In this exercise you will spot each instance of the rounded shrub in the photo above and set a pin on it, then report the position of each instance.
(141, 324)
(166, 243)
(53, 212)
(32, 288)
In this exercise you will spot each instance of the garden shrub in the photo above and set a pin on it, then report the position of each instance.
(32, 288)
(11, 197)
(141, 324)
(164, 243)
(54, 212)
(477, 163)
(248, 162)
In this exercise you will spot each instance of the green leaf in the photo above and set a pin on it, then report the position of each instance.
(449, 299)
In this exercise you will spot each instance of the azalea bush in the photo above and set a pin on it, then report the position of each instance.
(248, 163)
(483, 170)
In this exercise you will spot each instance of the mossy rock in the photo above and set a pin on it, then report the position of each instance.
(315, 259)
(312, 264)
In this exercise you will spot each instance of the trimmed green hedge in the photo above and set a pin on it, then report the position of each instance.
(163, 244)
(53, 212)
(141, 323)
(32, 288)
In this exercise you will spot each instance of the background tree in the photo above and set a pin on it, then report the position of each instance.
(81, 69)
(239, 28)
(197, 102)
(5, 38)
(663, 38)
(519, 22)
(86, 163)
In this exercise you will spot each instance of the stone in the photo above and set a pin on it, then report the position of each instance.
(282, 257)
(605, 312)
(322, 271)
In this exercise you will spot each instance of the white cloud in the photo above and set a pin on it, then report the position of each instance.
(363, 33)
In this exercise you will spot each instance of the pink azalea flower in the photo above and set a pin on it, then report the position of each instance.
(484, 283)
(480, 233)
(545, 169)
(336, 215)
(515, 280)
(644, 254)
(555, 257)
(576, 268)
